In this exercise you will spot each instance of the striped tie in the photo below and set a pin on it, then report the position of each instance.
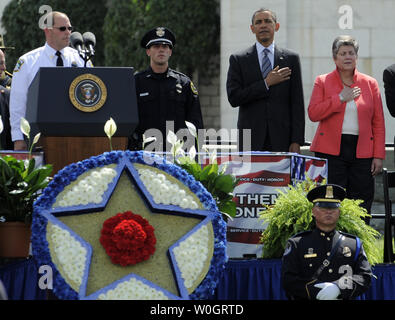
(266, 65)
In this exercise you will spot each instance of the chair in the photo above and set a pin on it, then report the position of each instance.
(388, 182)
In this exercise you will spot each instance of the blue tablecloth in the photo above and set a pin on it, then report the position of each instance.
(261, 280)
(20, 280)
(242, 280)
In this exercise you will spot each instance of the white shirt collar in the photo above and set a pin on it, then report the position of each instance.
(260, 47)
(51, 51)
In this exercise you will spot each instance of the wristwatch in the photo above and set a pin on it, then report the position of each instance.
(341, 98)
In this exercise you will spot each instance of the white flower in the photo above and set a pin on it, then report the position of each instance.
(89, 189)
(191, 255)
(36, 138)
(70, 253)
(133, 289)
(171, 138)
(110, 128)
(192, 129)
(25, 127)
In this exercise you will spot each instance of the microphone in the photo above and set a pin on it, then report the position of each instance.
(89, 41)
(77, 42)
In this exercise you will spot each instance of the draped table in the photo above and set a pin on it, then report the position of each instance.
(258, 279)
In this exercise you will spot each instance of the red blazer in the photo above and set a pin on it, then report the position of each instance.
(325, 107)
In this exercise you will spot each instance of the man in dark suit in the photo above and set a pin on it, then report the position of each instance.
(265, 82)
(389, 86)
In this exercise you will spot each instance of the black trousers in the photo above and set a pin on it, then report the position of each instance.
(350, 172)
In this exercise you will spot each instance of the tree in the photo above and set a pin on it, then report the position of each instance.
(21, 21)
(194, 23)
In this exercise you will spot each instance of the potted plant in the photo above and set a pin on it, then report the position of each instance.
(21, 182)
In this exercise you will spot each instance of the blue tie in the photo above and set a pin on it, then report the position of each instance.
(266, 65)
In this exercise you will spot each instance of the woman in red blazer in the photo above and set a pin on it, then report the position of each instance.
(351, 130)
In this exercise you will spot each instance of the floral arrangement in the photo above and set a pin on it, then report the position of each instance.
(128, 238)
(211, 230)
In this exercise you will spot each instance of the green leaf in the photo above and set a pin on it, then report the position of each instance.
(224, 183)
(228, 206)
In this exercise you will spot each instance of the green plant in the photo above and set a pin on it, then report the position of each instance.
(21, 182)
(291, 214)
(20, 185)
(219, 184)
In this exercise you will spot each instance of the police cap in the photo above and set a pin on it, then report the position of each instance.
(327, 196)
(2, 45)
(157, 35)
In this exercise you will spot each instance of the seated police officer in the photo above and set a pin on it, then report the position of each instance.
(324, 263)
(166, 98)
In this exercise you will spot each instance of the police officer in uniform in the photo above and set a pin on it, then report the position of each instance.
(5, 76)
(166, 98)
(325, 264)
(5, 135)
(55, 53)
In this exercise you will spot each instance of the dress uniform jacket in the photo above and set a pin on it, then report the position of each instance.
(349, 268)
(161, 97)
(24, 73)
(5, 136)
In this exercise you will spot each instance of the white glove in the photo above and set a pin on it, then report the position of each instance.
(329, 291)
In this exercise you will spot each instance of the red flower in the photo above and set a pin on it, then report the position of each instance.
(128, 238)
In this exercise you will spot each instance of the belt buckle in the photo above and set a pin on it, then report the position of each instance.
(326, 262)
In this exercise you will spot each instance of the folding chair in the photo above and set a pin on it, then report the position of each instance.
(389, 226)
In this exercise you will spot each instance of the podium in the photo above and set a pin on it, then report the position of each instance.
(70, 106)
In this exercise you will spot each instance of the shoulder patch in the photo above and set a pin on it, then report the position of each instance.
(19, 65)
(288, 248)
(193, 88)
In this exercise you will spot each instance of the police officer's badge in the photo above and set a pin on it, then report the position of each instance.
(88, 93)
(193, 88)
(160, 31)
(347, 252)
(19, 65)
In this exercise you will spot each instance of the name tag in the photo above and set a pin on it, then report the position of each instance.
(144, 94)
(310, 255)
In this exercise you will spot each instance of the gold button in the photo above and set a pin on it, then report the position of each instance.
(322, 234)
(310, 265)
(328, 238)
(330, 270)
(328, 254)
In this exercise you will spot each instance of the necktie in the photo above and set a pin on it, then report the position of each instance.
(266, 65)
(59, 61)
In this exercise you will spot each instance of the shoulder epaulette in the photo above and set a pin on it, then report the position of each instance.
(302, 233)
(348, 234)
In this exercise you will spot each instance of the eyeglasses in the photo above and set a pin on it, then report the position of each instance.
(64, 28)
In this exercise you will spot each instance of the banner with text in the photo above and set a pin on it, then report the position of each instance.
(262, 175)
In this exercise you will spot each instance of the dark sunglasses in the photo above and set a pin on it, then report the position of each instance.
(64, 28)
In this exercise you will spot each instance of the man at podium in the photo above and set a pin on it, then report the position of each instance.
(55, 53)
(163, 94)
